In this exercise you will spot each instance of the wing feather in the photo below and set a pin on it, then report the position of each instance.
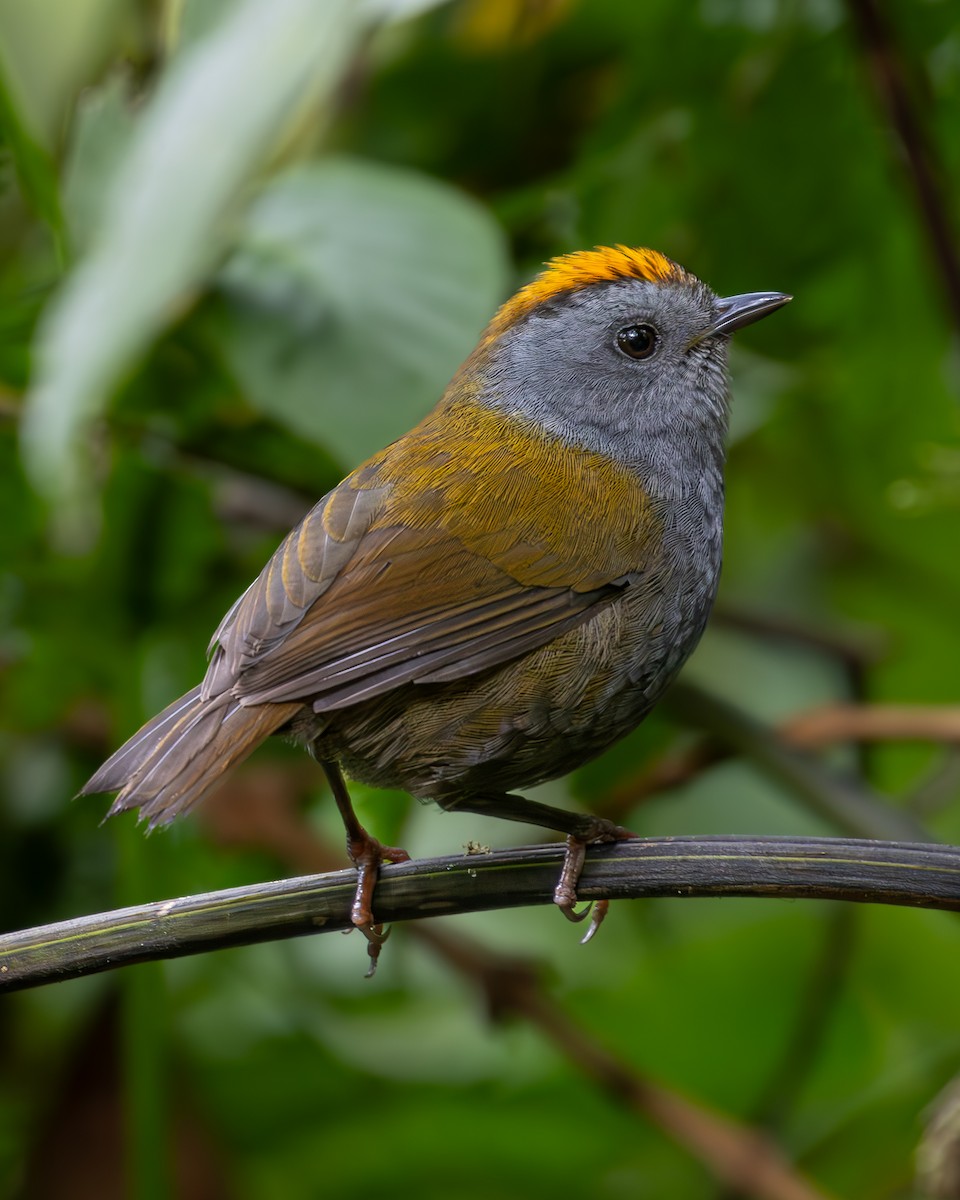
(384, 583)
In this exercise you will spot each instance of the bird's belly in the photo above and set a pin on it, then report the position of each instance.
(535, 718)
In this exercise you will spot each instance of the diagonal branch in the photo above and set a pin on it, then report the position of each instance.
(813, 868)
(743, 1158)
(810, 730)
(891, 81)
(849, 803)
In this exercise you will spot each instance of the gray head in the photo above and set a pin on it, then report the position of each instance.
(618, 350)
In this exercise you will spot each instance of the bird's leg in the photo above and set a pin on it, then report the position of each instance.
(580, 829)
(366, 853)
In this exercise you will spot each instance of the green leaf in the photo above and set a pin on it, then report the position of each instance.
(48, 50)
(208, 129)
(104, 127)
(33, 165)
(354, 294)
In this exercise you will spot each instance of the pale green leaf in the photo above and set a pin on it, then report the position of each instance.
(209, 128)
(354, 294)
(48, 49)
(104, 126)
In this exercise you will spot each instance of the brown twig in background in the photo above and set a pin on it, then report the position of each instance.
(669, 771)
(856, 649)
(832, 723)
(843, 798)
(890, 78)
(734, 1153)
(816, 729)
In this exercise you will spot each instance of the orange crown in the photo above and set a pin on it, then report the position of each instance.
(571, 272)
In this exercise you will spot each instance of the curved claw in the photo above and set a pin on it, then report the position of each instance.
(376, 935)
(570, 912)
(600, 909)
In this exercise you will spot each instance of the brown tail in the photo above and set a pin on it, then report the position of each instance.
(181, 755)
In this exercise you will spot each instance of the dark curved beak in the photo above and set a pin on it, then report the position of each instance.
(733, 312)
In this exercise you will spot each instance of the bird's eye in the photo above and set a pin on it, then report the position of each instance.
(637, 341)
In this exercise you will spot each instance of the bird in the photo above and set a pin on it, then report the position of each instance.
(500, 594)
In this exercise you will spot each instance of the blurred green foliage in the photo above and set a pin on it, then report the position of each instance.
(243, 244)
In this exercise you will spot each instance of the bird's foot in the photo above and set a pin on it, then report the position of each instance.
(565, 893)
(367, 854)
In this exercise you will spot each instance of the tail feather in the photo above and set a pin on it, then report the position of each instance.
(180, 756)
(126, 761)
